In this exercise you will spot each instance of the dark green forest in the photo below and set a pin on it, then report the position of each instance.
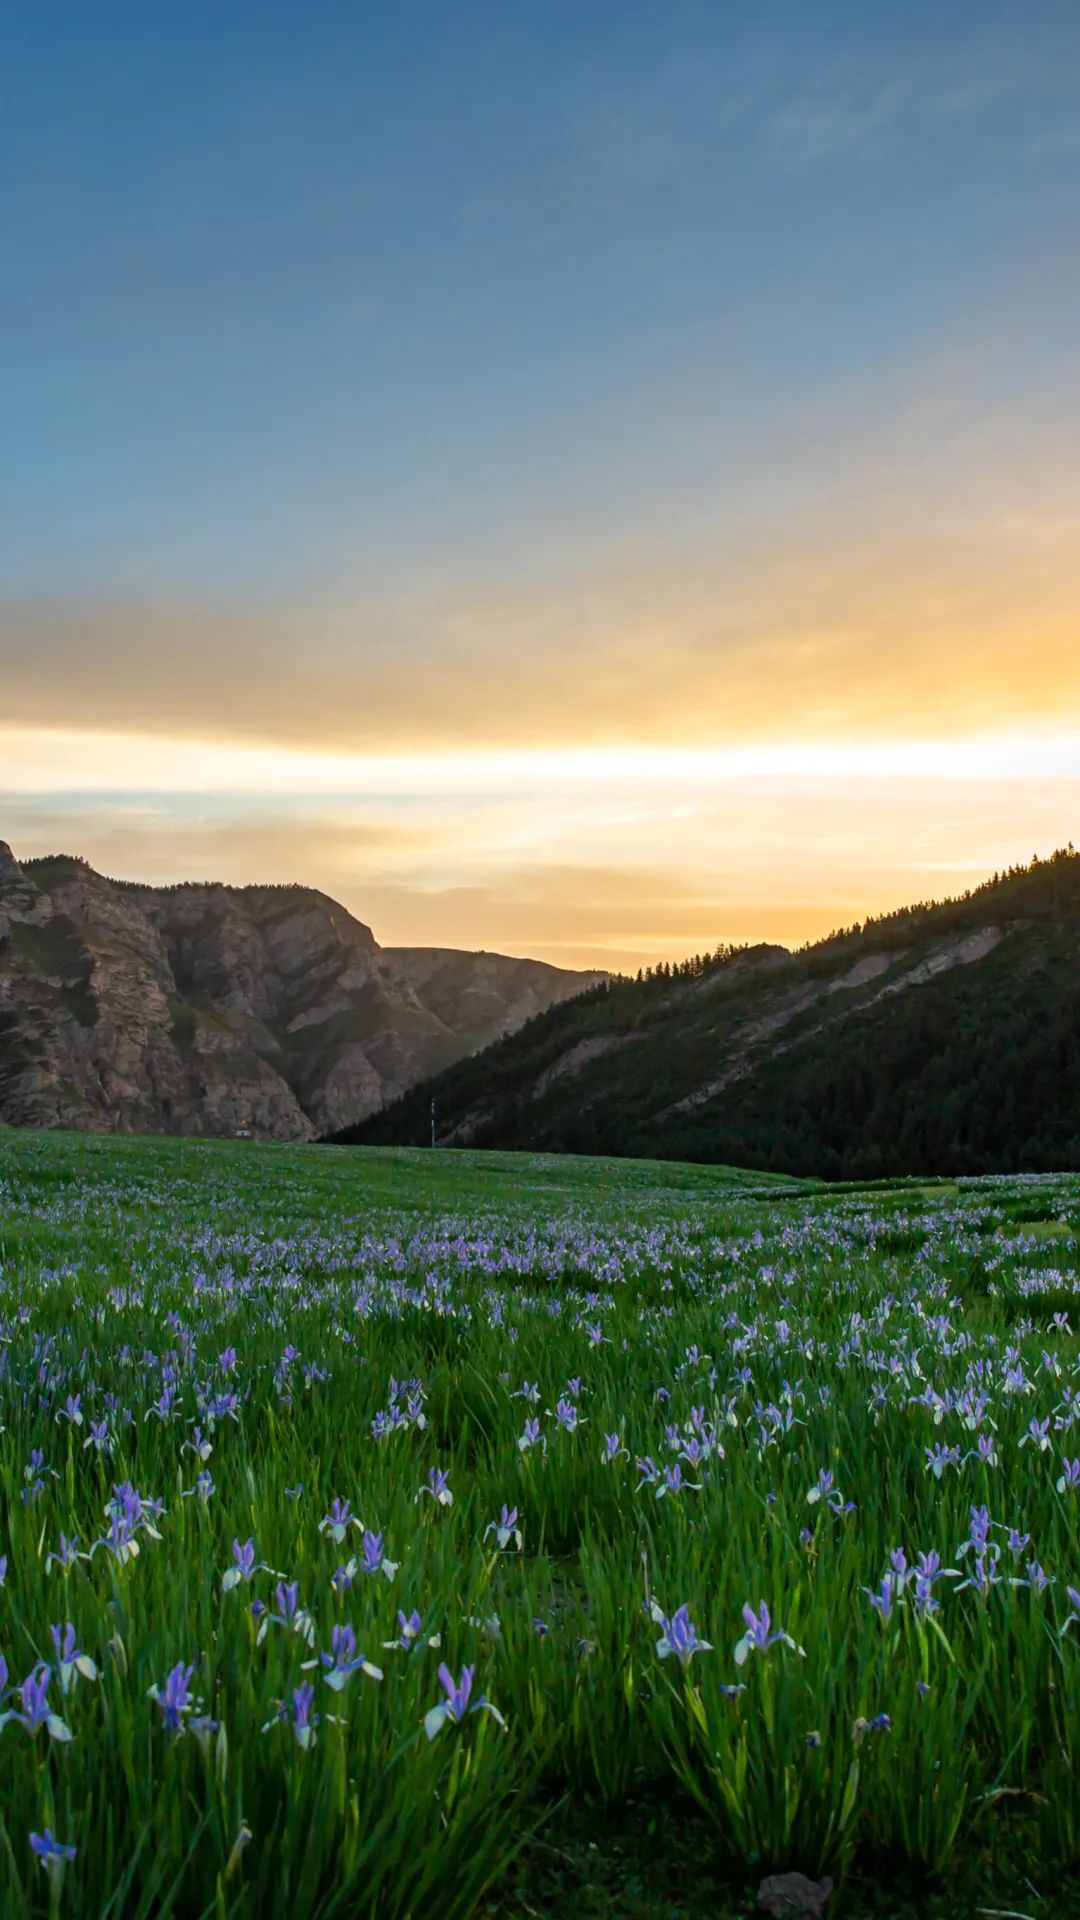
(975, 1069)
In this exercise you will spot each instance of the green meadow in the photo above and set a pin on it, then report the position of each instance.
(408, 1533)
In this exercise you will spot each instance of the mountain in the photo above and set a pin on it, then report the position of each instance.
(940, 1037)
(213, 1009)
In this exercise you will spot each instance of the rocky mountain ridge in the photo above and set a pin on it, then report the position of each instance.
(204, 1008)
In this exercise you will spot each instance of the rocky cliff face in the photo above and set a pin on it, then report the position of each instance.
(217, 1010)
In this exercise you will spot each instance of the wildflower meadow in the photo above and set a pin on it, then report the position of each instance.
(379, 1524)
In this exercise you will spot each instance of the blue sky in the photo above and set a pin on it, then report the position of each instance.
(418, 379)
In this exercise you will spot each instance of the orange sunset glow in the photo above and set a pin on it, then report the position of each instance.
(760, 619)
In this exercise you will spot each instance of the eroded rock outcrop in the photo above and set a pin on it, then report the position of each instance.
(218, 1010)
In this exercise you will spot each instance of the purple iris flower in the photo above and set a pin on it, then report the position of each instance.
(36, 1711)
(70, 1658)
(883, 1599)
(437, 1484)
(673, 1483)
(678, 1635)
(175, 1698)
(505, 1528)
(760, 1635)
(375, 1560)
(457, 1702)
(827, 1491)
(244, 1565)
(98, 1437)
(343, 1659)
(162, 1407)
(304, 1722)
(65, 1556)
(924, 1595)
(52, 1853)
(338, 1521)
(979, 1530)
(939, 1457)
(409, 1635)
(1038, 1434)
(290, 1614)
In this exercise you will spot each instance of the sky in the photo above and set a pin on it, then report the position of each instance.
(586, 480)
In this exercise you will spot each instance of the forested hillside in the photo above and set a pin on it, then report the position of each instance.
(942, 1037)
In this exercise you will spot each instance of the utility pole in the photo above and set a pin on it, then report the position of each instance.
(433, 1120)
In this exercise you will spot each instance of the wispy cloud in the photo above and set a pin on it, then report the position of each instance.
(896, 556)
(583, 863)
(852, 105)
(947, 635)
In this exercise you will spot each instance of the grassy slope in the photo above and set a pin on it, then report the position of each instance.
(332, 1180)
